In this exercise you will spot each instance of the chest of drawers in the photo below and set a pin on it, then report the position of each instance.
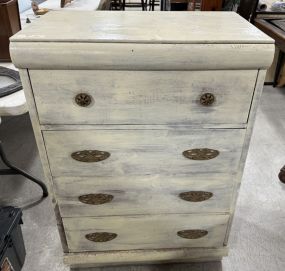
(143, 122)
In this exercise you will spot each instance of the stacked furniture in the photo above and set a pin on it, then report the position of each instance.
(143, 131)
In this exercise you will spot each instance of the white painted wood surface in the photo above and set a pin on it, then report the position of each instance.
(14, 104)
(132, 56)
(74, 127)
(257, 94)
(152, 194)
(91, 259)
(121, 26)
(25, 79)
(143, 97)
(144, 152)
(145, 232)
(150, 149)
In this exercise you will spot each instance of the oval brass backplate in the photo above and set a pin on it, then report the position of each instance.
(90, 156)
(192, 234)
(207, 99)
(196, 196)
(201, 154)
(95, 199)
(101, 236)
(83, 99)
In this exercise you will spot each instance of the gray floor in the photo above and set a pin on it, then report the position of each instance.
(258, 235)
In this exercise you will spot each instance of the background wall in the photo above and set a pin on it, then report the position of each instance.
(24, 5)
(268, 2)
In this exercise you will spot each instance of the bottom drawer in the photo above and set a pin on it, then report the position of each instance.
(145, 232)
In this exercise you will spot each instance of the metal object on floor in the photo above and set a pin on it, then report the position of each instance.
(6, 91)
(16, 86)
(12, 248)
(281, 175)
(13, 170)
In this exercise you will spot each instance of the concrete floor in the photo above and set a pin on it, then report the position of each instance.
(258, 235)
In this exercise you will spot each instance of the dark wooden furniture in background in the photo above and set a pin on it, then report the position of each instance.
(140, 4)
(277, 32)
(145, 5)
(192, 5)
(247, 9)
(270, 22)
(64, 2)
(9, 25)
(211, 5)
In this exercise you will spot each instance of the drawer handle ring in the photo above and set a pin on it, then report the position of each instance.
(89, 156)
(201, 154)
(192, 234)
(101, 236)
(83, 99)
(95, 199)
(207, 99)
(195, 196)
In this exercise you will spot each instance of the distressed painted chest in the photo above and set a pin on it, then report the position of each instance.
(143, 122)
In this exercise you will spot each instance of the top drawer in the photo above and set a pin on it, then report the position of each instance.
(143, 97)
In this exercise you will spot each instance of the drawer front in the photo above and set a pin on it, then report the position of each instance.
(97, 196)
(143, 152)
(145, 232)
(143, 97)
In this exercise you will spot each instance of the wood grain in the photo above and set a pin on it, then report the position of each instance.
(92, 259)
(25, 78)
(141, 97)
(112, 56)
(144, 152)
(86, 127)
(142, 195)
(120, 26)
(146, 83)
(257, 94)
(144, 232)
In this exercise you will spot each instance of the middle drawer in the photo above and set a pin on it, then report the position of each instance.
(138, 195)
(179, 152)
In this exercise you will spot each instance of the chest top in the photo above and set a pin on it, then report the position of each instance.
(143, 27)
(141, 41)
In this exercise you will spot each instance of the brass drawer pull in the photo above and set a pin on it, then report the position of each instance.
(192, 234)
(201, 154)
(196, 196)
(83, 99)
(90, 156)
(101, 236)
(95, 199)
(207, 99)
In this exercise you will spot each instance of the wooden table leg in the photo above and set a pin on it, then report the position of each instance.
(278, 68)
